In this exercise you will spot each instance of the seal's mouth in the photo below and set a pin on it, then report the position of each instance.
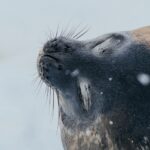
(52, 57)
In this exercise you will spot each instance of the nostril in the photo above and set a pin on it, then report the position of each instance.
(67, 49)
(54, 45)
(46, 69)
(47, 77)
(60, 67)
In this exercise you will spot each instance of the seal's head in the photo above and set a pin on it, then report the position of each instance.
(104, 86)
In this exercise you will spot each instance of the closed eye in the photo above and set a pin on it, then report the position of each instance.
(109, 45)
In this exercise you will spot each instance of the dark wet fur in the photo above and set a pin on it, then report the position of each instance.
(124, 101)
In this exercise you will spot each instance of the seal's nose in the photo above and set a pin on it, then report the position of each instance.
(51, 46)
(58, 46)
(51, 52)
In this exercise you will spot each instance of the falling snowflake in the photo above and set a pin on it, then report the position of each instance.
(143, 78)
(111, 122)
(101, 93)
(110, 78)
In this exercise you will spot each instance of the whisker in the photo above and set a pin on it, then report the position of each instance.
(53, 99)
(57, 31)
(35, 79)
(62, 32)
(50, 35)
(52, 96)
(47, 88)
(46, 93)
(49, 91)
(38, 86)
(73, 30)
(57, 94)
(81, 33)
(48, 97)
(72, 33)
(65, 30)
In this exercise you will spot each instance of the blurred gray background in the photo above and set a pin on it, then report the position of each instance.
(26, 122)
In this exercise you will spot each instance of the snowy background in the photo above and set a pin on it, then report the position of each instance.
(25, 119)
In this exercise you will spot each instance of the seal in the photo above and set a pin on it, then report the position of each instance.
(103, 88)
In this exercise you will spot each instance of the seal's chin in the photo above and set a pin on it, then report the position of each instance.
(74, 90)
(77, 117)
(76, 105)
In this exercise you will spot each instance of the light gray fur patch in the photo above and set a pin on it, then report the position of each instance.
(85, 93)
